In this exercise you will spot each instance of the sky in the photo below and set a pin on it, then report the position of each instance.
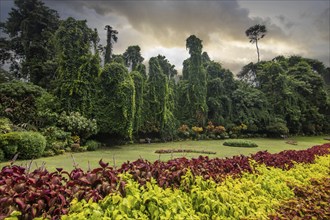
(297, 27)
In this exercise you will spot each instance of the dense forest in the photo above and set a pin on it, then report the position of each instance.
(63, 82)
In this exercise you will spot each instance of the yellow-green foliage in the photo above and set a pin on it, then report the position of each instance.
(253, 196)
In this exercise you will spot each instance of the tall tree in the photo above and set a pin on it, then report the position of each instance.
(255, 33)
(197, 88)
(133, 57)
(116, 101)
(111, 37)
(168, 69)
(78, 67)
(220, 87)
(160, 102)
(30, 27)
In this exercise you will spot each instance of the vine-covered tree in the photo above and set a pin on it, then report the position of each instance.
(168, 69)
(111, 37)
(159, 102)
(30, 28)
(255, 33)
(78, 68)
(116, 101)
(140, 87)
(133, 57)
(197, 88)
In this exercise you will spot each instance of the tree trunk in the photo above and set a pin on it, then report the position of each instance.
(258, 51)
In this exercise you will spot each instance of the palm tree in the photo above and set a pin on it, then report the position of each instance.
(255, 33)
(111, 37)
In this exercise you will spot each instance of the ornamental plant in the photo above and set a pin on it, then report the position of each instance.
(210, 127)
(183, 131)
(219, 130)
(197, 130)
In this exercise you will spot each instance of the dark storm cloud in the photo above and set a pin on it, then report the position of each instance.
(171, 22)
(284, 21)
(322, 24)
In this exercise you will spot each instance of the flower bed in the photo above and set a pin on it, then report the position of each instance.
(180, 182)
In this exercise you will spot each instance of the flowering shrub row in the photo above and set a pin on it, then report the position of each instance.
(210, 131)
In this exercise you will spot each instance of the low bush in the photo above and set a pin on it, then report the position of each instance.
(240, 144)
(77, 124)
(29, 145)
(92, 145)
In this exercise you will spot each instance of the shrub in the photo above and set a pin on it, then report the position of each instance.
(219, 129)
(28, 144)
(277, 128)
(21, 102)
(77, 124)
(92, 145)
(48, 153)
(75, 147)
(240, 144)
(183, 131)
(57, 139)
(197, 130)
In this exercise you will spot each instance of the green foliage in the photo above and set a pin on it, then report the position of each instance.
(4, 75)
(295, 92)
(116, 101)
(133, 57)
(197, 82)
(28, 145)
(240, 144)
(111, 37)
(5, 125)
(160, 102)
(250, 106)
(255, 33)
(27, 103)
(92, 145)
(139, 85)
(78, 67)
(77, 124)
(277, 128)
(30, 27)
(57, 140)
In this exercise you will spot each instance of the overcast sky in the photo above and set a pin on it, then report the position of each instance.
(161, 27)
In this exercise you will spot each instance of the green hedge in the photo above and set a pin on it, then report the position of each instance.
(29, 145)
(240, 144)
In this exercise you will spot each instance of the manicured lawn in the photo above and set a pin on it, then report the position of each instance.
(120, 154)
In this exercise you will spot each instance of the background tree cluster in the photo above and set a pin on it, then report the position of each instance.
(130, 101)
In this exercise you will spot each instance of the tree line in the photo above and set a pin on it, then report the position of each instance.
(59, 62)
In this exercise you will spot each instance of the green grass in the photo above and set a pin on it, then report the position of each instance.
(120, 154)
